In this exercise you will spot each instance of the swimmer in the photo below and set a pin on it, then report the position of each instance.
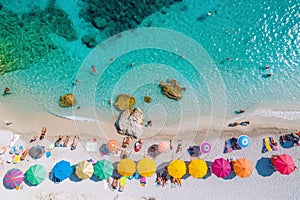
(267, 67)
(110, 102)
(228, 58)
(7, 91)
(182, 56)
(111, 59)
(132, 64)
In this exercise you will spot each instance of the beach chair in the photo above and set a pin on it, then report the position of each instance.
(16, 159)
(228, 146)
(267, 144)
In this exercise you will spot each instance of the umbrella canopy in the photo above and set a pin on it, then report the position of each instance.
(164, 147)
(243, 167)
(103, 169)
(37, 152)
(177, 168)
(244, 141)
(13, 178)
(36, 174)
(284, 164)
(205, 147)
(84, 169)
(126, 167)
(62, 170)
(146, 167)
(198, 168)
(112, 145)
(221, 168)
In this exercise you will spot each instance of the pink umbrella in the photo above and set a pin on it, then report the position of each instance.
(13, 178)
(205, 147)
(164, 147)
(221, 167)
(284, 164)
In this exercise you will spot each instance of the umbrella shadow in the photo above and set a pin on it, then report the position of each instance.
(95, 178)
(73, 177)
(187, 174)
(27, 182)
(161, 167)
(231, 175)
(289, 142)
(103, 150)
(208, 174)
(264, 167)
(151, 151)
(115, 173)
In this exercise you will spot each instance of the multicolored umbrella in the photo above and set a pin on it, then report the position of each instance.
(112, 145)
(36, 174)
(164, 147)
(284, 164)
(146, 167)
(126, 167)
(62, 170)
(244, 141)
(13, 178)
(177, 168)
(198, 168)
(103, 169)
(84, 169)
(243, 167)
(205, 147)
(221, 168)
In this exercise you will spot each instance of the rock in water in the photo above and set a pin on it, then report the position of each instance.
(124, 101)
(67, 100)
(171, 89)
(131, 122)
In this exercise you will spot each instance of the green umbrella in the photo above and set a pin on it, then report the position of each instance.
(103, 169)
(36, 174)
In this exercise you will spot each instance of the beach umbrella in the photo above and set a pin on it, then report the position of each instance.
(37, 152)
(126, 167)
(198, 168)
(112, 145)
(177, 168)
(244, 141)
(36, 174)
(103, 169)
(205, 147)
(146, 167)
(164, 147)
(84, 169)
(221, 168)
(62, 170)
(243, 167)
(284, 164)
(13, 178)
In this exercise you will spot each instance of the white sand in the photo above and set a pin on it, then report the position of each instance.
(255, 187)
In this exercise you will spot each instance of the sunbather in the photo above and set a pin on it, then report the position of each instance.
(158, 179)
(43, 133)
(66, 141)
(58, 141)
(33, 139)
(114, 184)
(282, 138)
(295, 138)
(178, 181)
(126, 141)
(74, 143)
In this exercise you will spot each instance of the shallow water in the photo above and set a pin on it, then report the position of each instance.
(252, 34)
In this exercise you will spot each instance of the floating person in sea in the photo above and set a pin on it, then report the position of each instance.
(239, 111)
(7, 91)
(93, 68)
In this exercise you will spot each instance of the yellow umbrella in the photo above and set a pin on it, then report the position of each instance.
(84, 170)
(198, 168)
(177, 168)
(146, 167)
(126, 167)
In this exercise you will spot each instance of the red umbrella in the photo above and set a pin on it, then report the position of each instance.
(221, 167)
(164, 147)
(284, 164)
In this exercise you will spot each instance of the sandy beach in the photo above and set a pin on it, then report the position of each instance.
(276, 185)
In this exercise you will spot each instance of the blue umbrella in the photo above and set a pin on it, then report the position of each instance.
(62, 170)
(244, 141)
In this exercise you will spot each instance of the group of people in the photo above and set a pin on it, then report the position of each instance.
(292, 138)
(243, 123)
(59, 142)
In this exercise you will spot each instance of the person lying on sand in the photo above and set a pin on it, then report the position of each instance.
(114, 184)
(66, 141)
(58, 141)
(33, 139)
(74, 143)
(43, 133)
(158, 179)
(126, 141)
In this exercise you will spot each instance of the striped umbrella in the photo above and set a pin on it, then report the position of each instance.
(244, 141)
(205, 147)
(164, 147)
(13, 178)
(84, 169)
(112, 145)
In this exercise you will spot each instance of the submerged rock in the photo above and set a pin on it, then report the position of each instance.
(89, 41)
(67, 100)
(147, 99)
(171, 89)
(124, 101)
(131, 122)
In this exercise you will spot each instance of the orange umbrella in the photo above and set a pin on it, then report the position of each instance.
(177, 168)
(243, 167)
(112, 145)
(164, 147)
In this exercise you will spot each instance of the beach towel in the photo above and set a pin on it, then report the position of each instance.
(228, 146)
(13, 140)
(143, 181)
(267, 144)
(16, 159)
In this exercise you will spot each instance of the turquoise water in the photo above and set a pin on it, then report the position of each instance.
(251, 33)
